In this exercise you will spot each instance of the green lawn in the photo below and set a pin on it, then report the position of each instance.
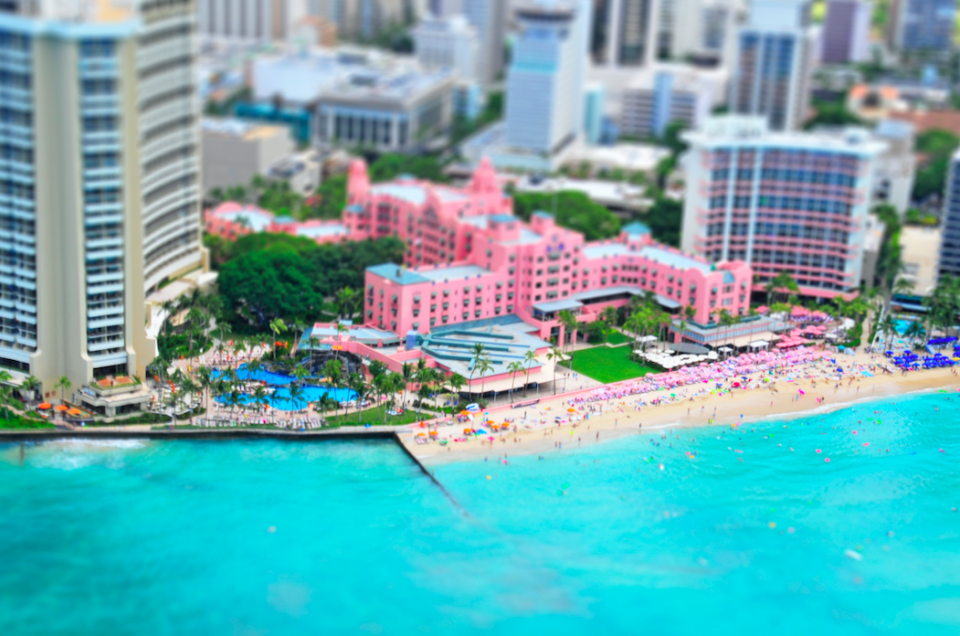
(617, 338)
(609, 365)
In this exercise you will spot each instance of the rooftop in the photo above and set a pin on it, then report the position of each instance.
(255, 219)
(316, 231)
(397, 273)
(240, 129)
(344, 73)
(503, 343)
(674, 259)
(410, 193)
(451, 273)
(747, 130)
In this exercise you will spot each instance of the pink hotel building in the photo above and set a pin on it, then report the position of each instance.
(469, 258)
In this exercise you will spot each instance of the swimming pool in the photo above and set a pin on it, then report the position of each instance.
(271, 378)
(901, 325)
(280, 399)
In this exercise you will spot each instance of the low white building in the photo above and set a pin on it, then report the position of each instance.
(669, 93)
(235, 151)
(360, 97)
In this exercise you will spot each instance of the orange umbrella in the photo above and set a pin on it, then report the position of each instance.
(75, 412)
(433, 433)
(45, 406)
(571, 410)
(60, 407)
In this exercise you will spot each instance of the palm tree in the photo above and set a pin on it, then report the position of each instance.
(781, 283)
(514, 368)
(457, 382)
(300, 373)
(64, 384)
(341, 330)
(484, 366)
(528, 359)
(345, 299)
(407, 373)
(569, 322)
(314, 345)
(609, 316)
(299, 327)
(556, 355)
(423, 392)
(358, 384)
(478, 351)
(334, 371)
(260, 397)
(295, 394)
(5, 390)
(31, 385)
(277, 326)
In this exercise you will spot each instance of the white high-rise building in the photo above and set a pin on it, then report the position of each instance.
(448, 43)
(102, 195)
(695, 27)
(545, 81)
(776, 53)
(489, 19)
(249, 20)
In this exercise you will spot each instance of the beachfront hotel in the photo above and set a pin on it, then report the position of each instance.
(470, 259)
(781, 202)
(100, 168)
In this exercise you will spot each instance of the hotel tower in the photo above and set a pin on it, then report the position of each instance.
(99, 179)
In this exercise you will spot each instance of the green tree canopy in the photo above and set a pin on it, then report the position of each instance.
(280, 276)
(575, 210)
(931, 177)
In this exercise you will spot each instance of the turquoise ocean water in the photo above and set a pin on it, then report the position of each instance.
(143, 537)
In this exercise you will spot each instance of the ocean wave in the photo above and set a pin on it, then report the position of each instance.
(87, 442)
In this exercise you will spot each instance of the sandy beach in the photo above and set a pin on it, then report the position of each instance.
(609, 419)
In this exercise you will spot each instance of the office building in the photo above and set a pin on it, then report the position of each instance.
(448, 43)
(360, 19)
(102, 181)
(249, 20)
(668, 93)
(776, 51)
(625, 32)
(545, 82)
(846, 32)
(781, 202)
(950, 246)
(922, 26)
